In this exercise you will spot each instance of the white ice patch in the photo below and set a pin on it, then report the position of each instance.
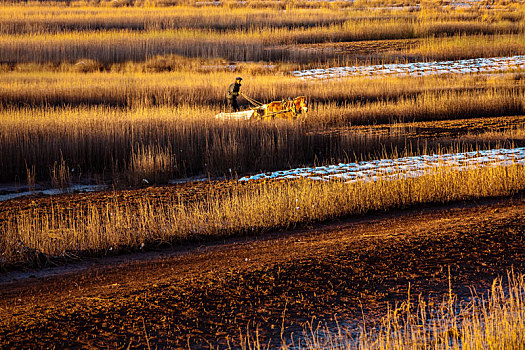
(476, 65)
(53, 191)
(400, 168)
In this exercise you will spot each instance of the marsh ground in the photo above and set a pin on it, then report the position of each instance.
(117, 92)
(202, 295)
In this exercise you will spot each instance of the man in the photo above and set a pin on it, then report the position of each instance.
(233, 92)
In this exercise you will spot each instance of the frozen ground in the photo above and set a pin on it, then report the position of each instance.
(8, 192)
(53, 191)
(399, 168)
(475, 65)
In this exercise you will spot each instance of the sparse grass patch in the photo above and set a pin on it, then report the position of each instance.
(495, 319)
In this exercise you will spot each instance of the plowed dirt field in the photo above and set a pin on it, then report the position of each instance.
(200, 296)
(358, 48)
(434, 129)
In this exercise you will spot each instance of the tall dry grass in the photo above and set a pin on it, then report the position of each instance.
(157, 144)
(423, 107)
(126, 146)
(468, 46)
(190, 86)
(29, 234)
(255, 44)
(291, 56)
(106, 124)
(40, 18)
(492, 320)
(16, 19)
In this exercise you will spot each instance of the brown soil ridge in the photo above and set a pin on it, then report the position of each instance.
(201, 296)
(452, 128)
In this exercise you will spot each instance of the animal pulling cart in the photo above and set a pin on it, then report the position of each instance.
(286, 109)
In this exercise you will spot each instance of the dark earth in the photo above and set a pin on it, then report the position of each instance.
(209, 296)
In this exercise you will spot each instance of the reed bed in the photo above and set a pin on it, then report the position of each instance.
(136, 88)
(110, 46)
(493, 320)
(106, 141)
(110, 143)
(38, 33)
(182, 55)
(30, 234)
(111, 125)
(16, 19)
(424, 107)
(468, 46)
(45, 19)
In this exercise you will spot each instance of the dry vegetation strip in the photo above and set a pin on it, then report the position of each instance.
(58, 231)
(114, 143)
(159, 144)
(127, 126)
(188, 84)
(39, 34)
(467, 46)
(44, 19)
(115, 46)
(39, 18)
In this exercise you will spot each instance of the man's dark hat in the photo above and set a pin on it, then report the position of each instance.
(238, 78)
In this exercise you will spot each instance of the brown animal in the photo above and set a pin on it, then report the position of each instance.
(301, 105)
(286, 109)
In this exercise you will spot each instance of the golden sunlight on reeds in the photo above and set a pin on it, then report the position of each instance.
(109, 35)
(494, 320)
(59, 231)
(406, 156)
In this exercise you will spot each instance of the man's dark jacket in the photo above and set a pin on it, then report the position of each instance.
(233, 91)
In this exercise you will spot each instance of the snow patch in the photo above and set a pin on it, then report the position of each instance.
(475, 65)
(399, 168)
(53, 191)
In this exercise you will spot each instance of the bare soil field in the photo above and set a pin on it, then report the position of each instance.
(201, 296)
(439, 129)
(370, 49)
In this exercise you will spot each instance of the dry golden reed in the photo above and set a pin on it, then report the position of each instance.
(96, 122)
(184, 141)
(60, 231)
(195, 87)
(109, 35)
(493, 320)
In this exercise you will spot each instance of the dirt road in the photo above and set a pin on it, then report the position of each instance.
(199, 296)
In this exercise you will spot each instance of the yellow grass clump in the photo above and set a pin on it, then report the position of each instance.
(495, 320)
